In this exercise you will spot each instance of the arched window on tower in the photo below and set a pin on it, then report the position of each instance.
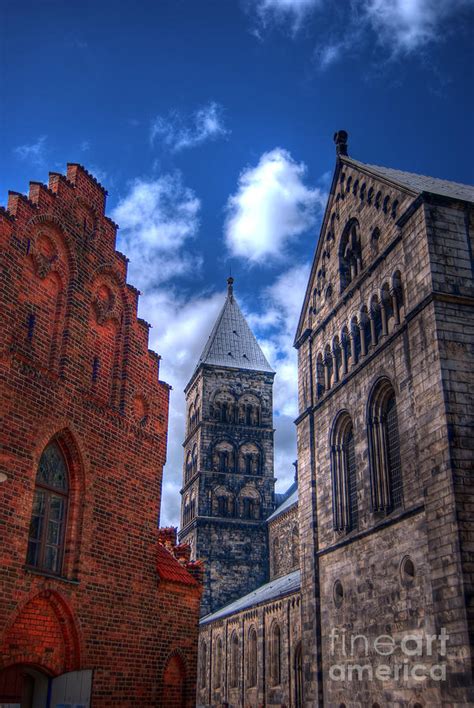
(49, 516)
(384, 445)
(250, 459)
(350, 253)
(344, 479)
(189, 467)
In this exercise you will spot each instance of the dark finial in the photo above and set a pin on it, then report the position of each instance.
(340, 138)
(230, 286)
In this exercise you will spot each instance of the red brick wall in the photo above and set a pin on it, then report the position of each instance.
(64, 302)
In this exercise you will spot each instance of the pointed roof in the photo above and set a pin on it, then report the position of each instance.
(410, 182)
(232, 342)
(417, 183)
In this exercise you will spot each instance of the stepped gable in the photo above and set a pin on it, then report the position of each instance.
(61, 232)
(232, 343)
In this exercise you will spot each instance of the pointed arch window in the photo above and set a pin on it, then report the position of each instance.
(384, 444)
(48, 519)
(344, 477)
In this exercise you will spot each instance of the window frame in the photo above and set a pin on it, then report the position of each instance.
(49, 492)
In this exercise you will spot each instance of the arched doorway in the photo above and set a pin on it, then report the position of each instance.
(298, 668)
(23, 686)
(174, 677)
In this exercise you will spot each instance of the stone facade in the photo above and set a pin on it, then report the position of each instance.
(386, 379)
(250, 651)
(385, 459)
(252, 657)
(228, 474)
(89, 589)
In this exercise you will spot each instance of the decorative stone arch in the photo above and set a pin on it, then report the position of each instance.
(249, 409)
(251, 458)
(223, 405)
(222, 501)
(249, 502)
(41, 616)
(223, 455)
(386, 479)
(62, 432)
(343, 473)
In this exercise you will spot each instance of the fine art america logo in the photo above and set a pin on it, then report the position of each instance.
(407, 659)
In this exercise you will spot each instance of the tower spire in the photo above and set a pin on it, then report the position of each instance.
(230, 287)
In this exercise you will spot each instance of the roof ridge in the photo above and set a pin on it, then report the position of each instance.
(417, 182)
(277, 587)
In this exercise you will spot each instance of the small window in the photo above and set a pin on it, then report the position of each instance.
(48, 519)
(407, 570)
(338, 593)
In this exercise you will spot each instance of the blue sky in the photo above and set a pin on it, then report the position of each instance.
(210, 123)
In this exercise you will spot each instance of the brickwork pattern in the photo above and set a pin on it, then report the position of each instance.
(75, 367)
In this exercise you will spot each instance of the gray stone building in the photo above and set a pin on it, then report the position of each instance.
(365, 594)
(228, 481)
(385, 441)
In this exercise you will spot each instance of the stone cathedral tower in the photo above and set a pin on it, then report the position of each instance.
(228, 460)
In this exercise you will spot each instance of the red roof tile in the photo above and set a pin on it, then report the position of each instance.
(170, 569)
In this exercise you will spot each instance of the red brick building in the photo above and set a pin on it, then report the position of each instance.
(96, 605)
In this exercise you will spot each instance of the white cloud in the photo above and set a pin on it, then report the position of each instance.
(156, 218)
(33, 152)
(181, 330)
(284, 11)
(408, 25)
(275, 330)
(207, 123)
(271, 208)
